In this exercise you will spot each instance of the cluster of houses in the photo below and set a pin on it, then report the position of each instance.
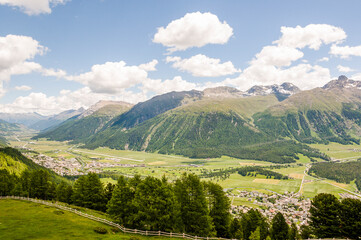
(72, 166)
(59, 165)
(294, 207)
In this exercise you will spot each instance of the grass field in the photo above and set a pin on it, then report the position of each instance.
(339, 151)
(172, 166)
(28, 220)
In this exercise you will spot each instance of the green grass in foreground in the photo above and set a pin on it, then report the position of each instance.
(28, 220)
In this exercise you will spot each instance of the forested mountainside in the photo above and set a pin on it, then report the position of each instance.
(225, 121)
(15, 162)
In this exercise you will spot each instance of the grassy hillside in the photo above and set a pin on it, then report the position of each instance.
(36, 221)
(206, 128)
(244, 107)
(315, 116)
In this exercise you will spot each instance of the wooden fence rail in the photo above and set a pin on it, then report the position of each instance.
(110, 223)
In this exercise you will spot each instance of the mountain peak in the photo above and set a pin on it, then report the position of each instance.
(282, 91)
(101, 104)
(342, 78)
(342, 82)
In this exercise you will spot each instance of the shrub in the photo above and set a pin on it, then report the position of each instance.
(100, 230)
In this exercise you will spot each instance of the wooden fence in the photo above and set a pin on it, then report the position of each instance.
(102, 220)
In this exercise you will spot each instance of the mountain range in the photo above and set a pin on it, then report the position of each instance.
(271, 123)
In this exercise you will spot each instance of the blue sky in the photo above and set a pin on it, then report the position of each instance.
(57, 54)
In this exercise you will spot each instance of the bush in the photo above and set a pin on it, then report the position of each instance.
(58, 212)
(100, 230)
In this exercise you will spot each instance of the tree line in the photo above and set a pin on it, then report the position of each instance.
(186, 205)
(223, 174)
(340, 172)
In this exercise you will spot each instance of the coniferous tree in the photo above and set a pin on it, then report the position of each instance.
(193, 204)
(25, 182)
(256, 235)
(279, 227)
(78, 191)
(235, 229)
(350, 215)
(121, 207)
(250, 221)
(219, 206)
(157, 205)
(293, 232)
(40, 184)
(325, 219)
(305, 232)
(108, 191)
(7, 182)
(64, 192)
(94, 193)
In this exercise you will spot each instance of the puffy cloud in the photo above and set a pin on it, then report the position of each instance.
(324, 59)
(159, 87)
(344, 69)
(33, 7)
(23, 88)
(149, 66)
(48, 105)
(273, 65)
(50, 72)
(277, 55)
(15, 50)
(114, 77)
(345, 51)
(15, 53)
(193, 30)
(304, 76)
(203, 66)
(312, 36)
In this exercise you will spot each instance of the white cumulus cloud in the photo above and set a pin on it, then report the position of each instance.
(277, 55)
(114, 77)
(193, 30)
(345, 51)
(276, 63)
(324, 59)
(203, 66)
(23, 88)
(33, 7)
(159, 86)
(312, 36)
(341, 68)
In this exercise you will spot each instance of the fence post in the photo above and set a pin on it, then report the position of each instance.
(158, 233)
(146, 232)
(170, 234)
(183, 235)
